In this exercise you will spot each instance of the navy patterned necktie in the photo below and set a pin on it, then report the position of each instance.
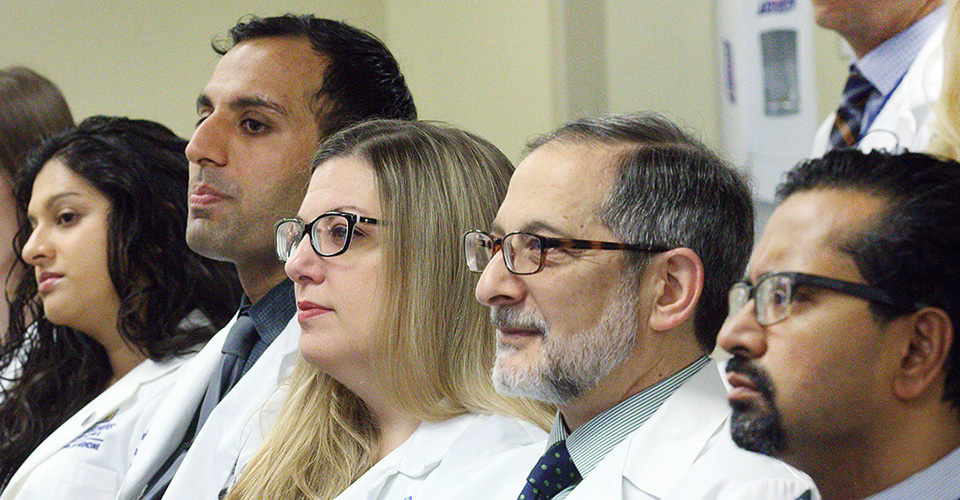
(553, 473)
(846, 129)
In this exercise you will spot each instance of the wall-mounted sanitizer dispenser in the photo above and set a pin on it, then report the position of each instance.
(768, 108)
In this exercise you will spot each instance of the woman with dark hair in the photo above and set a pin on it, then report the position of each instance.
(118, 302)
(31, 108)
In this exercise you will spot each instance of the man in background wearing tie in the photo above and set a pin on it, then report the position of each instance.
(895, 76)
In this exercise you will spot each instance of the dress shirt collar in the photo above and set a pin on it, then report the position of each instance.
(940, 481)
(887, 63)
(590, 443)
(271, 314)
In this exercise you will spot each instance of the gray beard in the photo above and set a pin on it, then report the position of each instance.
(566, 371)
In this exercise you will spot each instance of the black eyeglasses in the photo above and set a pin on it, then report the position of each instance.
(330, 233)
(773, 294)
(524, 253)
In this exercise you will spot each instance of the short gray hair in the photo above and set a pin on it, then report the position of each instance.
(672, 190)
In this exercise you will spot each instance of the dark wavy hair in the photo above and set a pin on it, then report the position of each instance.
(361, 79)
(51, 371)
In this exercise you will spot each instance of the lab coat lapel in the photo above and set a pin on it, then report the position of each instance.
(166, 429)
(907, 112)
(657, 454)
(221, 442)
(661, 451)
(93, 413)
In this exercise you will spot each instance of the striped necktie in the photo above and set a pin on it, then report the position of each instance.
(846, 129)
(553, 473)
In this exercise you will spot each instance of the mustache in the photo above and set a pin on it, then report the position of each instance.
(518, 319)
(213, 178)
(758, 376)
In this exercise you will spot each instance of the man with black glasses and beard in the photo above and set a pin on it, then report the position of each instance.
(843, 329)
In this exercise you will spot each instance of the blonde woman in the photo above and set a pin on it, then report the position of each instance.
(393, 397)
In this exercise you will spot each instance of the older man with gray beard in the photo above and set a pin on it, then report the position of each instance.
(618, 240)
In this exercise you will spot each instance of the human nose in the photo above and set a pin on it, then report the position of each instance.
(208, 146)
(304, 265)
(37, 248)
(497, 285)
(742, 335)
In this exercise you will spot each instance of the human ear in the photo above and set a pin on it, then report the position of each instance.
(679, 276)
(930, 335)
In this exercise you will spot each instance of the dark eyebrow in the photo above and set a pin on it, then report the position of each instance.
(353, 209)
(59, 196)
(244, 102)
(50, 202)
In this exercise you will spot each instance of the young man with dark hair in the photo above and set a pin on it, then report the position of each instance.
(282, 86)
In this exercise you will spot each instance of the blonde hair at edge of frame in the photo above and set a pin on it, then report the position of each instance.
(946, 137)
(435, 182)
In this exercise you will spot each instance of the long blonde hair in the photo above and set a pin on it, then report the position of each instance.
(435, 182)
(946, 138)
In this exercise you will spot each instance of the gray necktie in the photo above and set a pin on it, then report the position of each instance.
(236, 348)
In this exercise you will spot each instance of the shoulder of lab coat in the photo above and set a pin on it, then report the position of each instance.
(468, 456)
(119, 397)
(684, 452)
(237, 422)
(905, 121)
(168, 425)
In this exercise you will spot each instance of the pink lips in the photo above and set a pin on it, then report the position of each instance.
(517, 337)
(47, 281)
(205, 195)
(742, 386)
(307, 310)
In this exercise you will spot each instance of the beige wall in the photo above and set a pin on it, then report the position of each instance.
(508, 70)
(833, 60)
(504, 69)
(483, 65)
(138, 58)
(661, 57)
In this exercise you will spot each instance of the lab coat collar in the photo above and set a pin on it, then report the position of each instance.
(661, 451)
(430, 443)
(99, 409)
(909, 107)
(125, 389)
(168, 425)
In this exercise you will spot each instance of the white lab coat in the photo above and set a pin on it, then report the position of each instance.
(684, 452)
(86, 457)
(209, 462)
(460, 458)
(905, 120)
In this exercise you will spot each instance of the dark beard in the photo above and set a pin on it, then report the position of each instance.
(756, 426)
